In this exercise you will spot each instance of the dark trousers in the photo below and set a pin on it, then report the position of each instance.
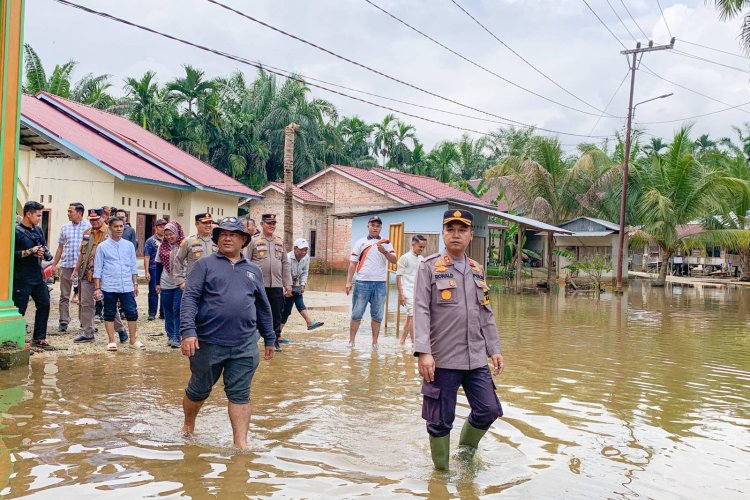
(439, 401)
(153, 297)
(295, 300)
(276, 299)
(40, 294)
(127, 303)
(99, 308)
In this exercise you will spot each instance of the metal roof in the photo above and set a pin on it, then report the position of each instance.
(601, 222)
(590, 233)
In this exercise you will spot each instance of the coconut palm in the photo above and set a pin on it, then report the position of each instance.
(442, 161)
(676, 188)
(471, 162)
(93, 91)
(400, 154)
(729, 9)
(191, 88)
(36, 79)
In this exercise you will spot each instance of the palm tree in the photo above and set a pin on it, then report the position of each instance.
(729, 9)
(36, 78)
(471, 161)
(93, 91)
(400, 154)
(676, 188)
(384, 134)
(145, 103)
(442, 161)
(191, 88)
(548, 186)
(654, 146)
(418, 163)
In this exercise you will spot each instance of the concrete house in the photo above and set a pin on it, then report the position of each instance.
(71, 152)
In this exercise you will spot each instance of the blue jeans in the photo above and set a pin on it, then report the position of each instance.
(368, 292)
(170, 300)
(127, 303)
(153, 297)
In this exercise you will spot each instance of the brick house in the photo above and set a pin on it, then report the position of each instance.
(321, 200)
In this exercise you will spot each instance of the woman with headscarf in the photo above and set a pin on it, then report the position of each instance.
(171, 282)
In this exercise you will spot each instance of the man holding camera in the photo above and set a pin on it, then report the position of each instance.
(28, 280)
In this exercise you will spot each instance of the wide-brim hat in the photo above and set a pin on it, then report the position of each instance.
(231, 224)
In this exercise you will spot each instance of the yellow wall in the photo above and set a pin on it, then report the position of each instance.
(68, 180)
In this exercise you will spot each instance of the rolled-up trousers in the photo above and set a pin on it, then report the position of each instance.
(87, 309)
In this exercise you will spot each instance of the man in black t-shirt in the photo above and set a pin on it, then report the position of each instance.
(28, 279)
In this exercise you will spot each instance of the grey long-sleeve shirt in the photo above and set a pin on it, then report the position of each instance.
(225, 303)
(452, 317)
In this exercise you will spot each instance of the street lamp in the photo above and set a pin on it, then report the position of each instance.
(624, 197)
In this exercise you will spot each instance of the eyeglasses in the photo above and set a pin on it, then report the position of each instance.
(230, 220)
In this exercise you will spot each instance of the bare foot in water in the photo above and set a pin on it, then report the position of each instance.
(188, 430)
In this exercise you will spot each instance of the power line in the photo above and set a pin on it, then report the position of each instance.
(714, 49)
(687, 118)
(604, 24)
(621, 21)
(634, 21)
(627, 73)
(493, 35)
(262, 67)
(664, 18)
(710, 61)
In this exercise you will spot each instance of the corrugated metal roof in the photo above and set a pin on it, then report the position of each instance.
(300, 193)
(427, 185)
(605, 223)
(46, 120)
(591, 233)
(181, 164)
(376, 181)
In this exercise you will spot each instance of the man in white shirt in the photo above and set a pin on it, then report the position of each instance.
(406, 273)
(369, 260)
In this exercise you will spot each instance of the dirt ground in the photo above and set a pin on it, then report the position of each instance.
(331, 308)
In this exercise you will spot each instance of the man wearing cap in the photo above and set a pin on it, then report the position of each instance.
(455, 333)
(196, 245)
(369, 260)
(84, 274)
(268, 252)
(150, 250)
(299, 263)
(224, 307)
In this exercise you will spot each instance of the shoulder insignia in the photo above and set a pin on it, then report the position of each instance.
(448, 260)
(430, 257)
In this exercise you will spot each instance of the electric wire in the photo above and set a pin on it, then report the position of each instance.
(687, 118)
(542, 73)
(614, 94)
(622, 22)
(710, 61)
(604, 24)
(634, 21)
(665, 19)
(263, 67)
(712, 48)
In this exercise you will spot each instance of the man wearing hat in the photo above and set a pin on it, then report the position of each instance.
(369, 260)
(198, 245)
(224, 307)
(299, 263)
(455, 333)
(84, 274)
(268, 252)
(150, 250)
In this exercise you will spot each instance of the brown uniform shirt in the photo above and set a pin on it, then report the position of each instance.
(192, 248)
(452, 316)
(86, 272)
(271, 256)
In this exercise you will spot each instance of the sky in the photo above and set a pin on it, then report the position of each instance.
(561, 38)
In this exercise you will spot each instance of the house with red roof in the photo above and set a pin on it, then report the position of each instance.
(331, 205)
(70, 152)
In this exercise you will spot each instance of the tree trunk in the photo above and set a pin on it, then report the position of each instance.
(550, 247)
(644, 260)
(289, 134)
(661, 280)
(744, 265)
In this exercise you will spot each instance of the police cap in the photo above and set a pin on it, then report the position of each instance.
(462, 216)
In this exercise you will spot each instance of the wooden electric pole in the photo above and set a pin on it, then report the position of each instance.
(628, 128)
(289, 135)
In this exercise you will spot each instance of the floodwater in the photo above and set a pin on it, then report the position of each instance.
(646, 395)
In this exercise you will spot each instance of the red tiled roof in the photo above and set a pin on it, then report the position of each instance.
(150, 144)
(66, 129)
(376, 181)
(432, 187)
(300, 193)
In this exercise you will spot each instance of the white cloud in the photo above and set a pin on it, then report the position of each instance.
(561, 37)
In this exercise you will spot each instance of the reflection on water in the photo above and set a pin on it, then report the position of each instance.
(644, 395)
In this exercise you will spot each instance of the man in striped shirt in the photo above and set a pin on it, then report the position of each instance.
(68, 248)
(369, 260)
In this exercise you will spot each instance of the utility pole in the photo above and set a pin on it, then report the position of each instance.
(623, 199)
(289, 136)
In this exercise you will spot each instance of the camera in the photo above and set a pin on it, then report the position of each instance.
(47, 255)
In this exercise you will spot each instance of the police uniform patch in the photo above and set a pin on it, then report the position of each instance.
(446, 294)
(441, 269)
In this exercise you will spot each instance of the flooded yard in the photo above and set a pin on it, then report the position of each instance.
(645, 395)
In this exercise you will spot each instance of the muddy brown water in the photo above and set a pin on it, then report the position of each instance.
(646, 395)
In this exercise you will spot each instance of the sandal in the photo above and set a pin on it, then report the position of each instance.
(137, 345)
(314, 325)
(43, 344)
(112, 346)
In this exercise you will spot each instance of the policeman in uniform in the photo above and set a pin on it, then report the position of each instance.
(196, 246)
(455, 333)
(268, 252)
